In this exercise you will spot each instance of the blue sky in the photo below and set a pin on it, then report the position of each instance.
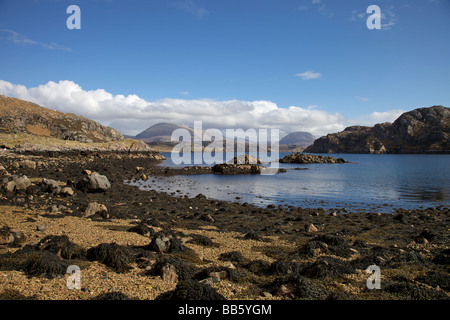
(187, 56)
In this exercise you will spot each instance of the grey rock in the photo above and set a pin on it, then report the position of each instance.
(161, 244)
(94, 183)
(51, 186)
(93, 208)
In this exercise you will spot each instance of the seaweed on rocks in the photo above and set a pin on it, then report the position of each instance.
(113, 295)
(44, 264)
(258, 267)
(113, 255)
(406, 289)
(252, 235)
(233, 256)
(327, 267)
(313, 248)
(284, 268)
(202, 241)
(166, 241)
(409, 257)
(223, 272)
(380, 256)
(184, 269)
(191, 290)
(335, 245)
(297, 286)
(443, 257)
(61, 246)
(142, 229)
(435, 279)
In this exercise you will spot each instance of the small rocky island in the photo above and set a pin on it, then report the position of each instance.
(298, 157)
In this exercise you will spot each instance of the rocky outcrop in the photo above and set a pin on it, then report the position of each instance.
(309, 158)
(28, 127)
(228, 169)
(19, 116)
(423, 130)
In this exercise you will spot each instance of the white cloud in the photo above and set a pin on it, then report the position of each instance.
(362, 98)
(190, 7)
(132, 114)
(308, 75)
(186, 93)
(386, 116)
(388, 18)
(19, 39)
(302, 8)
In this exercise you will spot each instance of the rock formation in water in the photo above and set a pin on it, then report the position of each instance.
(298, 157)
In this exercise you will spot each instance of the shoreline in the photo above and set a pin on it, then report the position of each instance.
(285, 253)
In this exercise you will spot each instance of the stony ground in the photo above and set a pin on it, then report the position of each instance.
(146, 244)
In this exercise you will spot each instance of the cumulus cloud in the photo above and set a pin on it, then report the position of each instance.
(132, 114)
(308, 75)
(386, 116)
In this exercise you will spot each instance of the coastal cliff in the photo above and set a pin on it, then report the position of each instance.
(423, 130)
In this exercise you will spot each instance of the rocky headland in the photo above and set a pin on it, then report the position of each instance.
(423, 130)
(26, 126)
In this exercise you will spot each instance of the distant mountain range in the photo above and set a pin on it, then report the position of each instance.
(423, 130)
(159, 135)
(161, 132)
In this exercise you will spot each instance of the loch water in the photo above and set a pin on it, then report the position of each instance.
(368, 183)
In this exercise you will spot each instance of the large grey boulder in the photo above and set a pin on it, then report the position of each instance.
(51, 186)
(94, 207)
(94, 183)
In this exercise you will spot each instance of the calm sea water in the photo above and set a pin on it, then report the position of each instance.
(377, 183)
